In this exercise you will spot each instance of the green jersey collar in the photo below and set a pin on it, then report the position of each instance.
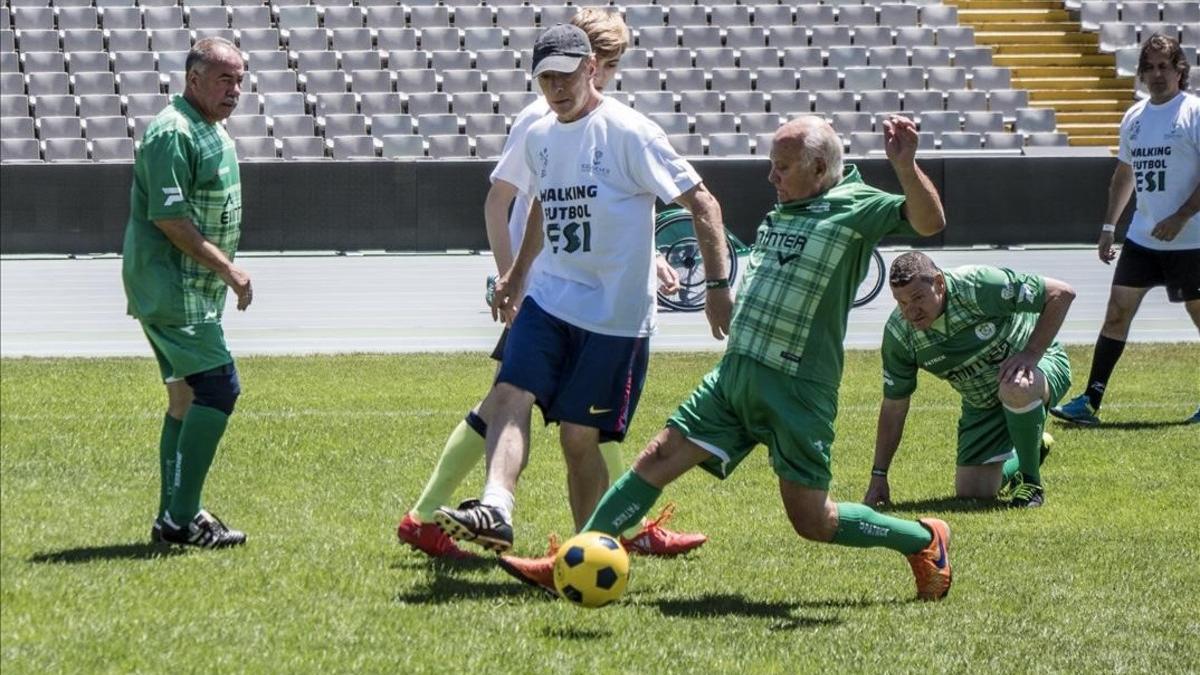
(182, 105)
(850, 175)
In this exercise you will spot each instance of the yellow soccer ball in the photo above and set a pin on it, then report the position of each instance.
(591, 569)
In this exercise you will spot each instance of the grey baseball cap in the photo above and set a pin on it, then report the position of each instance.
(559, 49)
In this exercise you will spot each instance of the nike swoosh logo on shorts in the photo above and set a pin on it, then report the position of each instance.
(593, 410)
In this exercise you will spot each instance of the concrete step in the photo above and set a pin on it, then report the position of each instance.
(1021, 15)
(1053, 69)
(1108, 118)
(1005, 4)
(1095, 142)
(1089, 129)
(1055, 94)
(1067, 83)
(1031, 26)
(1044, 48)
(1041, 38)
(1022, 60)
(1099, 105)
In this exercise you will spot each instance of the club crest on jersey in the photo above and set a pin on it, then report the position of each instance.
(1007, 292)
(594, 167)
(985, 331)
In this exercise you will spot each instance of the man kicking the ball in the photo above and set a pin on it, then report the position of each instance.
(778, 381)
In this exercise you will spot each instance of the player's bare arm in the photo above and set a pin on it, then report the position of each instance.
(1120, 189)
(500, 197)
(511, 286)
(710, 231)
(893, 412)
(184, 235)
(922, 206)
(1020, 366)
(1168, 228)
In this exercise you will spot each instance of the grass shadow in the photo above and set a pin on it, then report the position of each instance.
(445, 589)
(945, 504)
(440, 565)
(1127, 426)
(87, 554)
(728, 605)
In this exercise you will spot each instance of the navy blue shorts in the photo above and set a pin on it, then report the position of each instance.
(1142, 267)
(576, 375)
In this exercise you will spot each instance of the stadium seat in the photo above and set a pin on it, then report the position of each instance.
(1114, 36)
(1003, 140)
(828, 36)
(311, 39)
(699, 101)
(658, 36)
(19, 150)
(688, 145)
(344, 17)
(345, 125)
(707, 36)
(522, 37)
(117, 149)
(654, 102)
(1034, 120)
(956, 36)
(335, 104)
(802, 57)
(207, 17)
(915, 36)
(770, 15)
(879, 101)
(862, 143)
(946, 78)
(687, 15)
(122, 62)
(846, 56)
(256, 148)
(902, 78)
(939, 122)
(390, 124)
(489, 146)
(939, 15)
(791, 102)
(325, 82)
(460, 81)
(816, 79)
(437, 124)
(275, 81)
(513, 102)
(671, 57)
(482, 124)
(746, 102)
(549, 15)
(873, 36)
(14, 105)
(707, 123)
(107, 105)
(847, 122)
(730, 16)
(863, 77)
(307, 61)
(375, 104)
(929, 57)
(671, 123)
(920, 100)
(65, 150)
(758, 123)
(106, 127)
(259, 39)
(813, 15)
(1182, 12)
(754, 58)
(429, 16)
(403, 146)
(961, 140)
(135, 82)
(1046, 139)
(351, 39)
(43, 62)
(477, 102)
(75, 18)
(283, 126)
(17, 127)
(142, 105)
(416, 80)
(388, 39)
(240, 126)
(516, 15)
(982, 121)
(896, 14)
(449, 147)
(302, 147)
(511, 79)
(965, 99)
(426, 103)
(256, 16)
(972, 57)
(489, 60)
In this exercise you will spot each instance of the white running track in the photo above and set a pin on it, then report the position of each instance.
(414, 303)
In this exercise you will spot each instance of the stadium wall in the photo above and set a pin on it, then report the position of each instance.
(438, 206)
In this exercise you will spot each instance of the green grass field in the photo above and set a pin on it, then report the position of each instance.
(325, 453)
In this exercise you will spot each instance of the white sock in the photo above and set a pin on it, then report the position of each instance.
(500, 498)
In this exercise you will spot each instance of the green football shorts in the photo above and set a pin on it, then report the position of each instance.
(982, 432)
(742, 403)
(187, 350)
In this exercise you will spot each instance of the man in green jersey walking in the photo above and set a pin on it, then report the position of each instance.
(778, 381)
(989, 332)
(184, 224)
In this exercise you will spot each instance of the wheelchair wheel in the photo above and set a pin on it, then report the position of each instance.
(872, 284)
(675, 239)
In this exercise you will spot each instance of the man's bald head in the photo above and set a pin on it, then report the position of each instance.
(811, 152)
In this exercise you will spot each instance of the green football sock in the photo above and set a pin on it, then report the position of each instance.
(863, 527)
(463, 450)
(611, 452)
(199, 435)
(1012, 466)
(168, 445)
(1025, 430)
(627, 500)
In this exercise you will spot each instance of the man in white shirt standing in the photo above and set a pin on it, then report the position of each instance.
(506, 211)
(579, 346)
(1160, 158)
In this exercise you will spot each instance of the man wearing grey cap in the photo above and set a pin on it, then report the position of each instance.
(579, 345)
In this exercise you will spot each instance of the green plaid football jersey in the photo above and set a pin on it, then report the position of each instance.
(809, 257)
(989, 315)
(186, 167)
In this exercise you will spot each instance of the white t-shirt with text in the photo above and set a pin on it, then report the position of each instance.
(597, 179)
(1161, 143)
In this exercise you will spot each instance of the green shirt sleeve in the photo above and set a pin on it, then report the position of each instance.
(879, 213)
(167, 167)
(899, 366)
(1002, 292)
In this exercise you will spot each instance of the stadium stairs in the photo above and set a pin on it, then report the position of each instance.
(1060, 64)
